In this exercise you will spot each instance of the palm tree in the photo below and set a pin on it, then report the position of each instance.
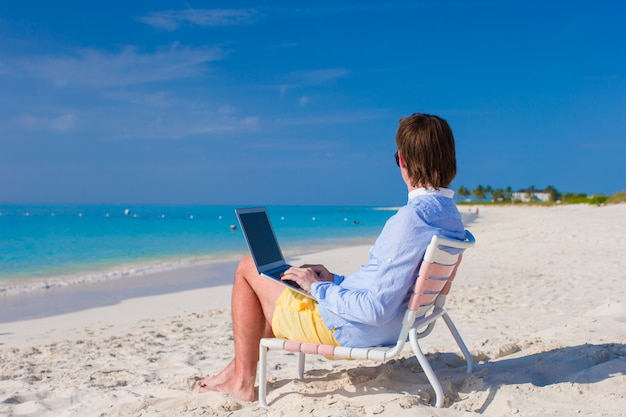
(530, 193)
(489, 191)
(498, 194)
(554, 194)
(479, 192)
(463, 192)
(508, 194)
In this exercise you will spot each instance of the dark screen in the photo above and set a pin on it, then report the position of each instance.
(260, 238)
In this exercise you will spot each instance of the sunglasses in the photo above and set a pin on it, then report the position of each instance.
(397, 158)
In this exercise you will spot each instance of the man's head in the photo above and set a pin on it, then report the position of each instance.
(426, 147)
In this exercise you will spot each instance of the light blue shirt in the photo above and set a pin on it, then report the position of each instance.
(366, 308)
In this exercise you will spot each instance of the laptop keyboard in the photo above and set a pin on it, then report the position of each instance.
(279, 273)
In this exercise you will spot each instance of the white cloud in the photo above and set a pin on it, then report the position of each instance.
(99, 69)
(167, 127)
(60, 124)
(317, 77)
(63, 123)
(304, 100)
(172, 19)
(250, 121)
(226, 109)
(300, 79)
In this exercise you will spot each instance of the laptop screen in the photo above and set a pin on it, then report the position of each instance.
(261, 238)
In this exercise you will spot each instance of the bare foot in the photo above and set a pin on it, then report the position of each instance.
(242, 390)
(227, 373)
(226, 382)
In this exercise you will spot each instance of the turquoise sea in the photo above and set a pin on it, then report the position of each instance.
(45, 246)
(58, 245)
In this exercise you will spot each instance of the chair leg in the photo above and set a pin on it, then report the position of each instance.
(428, 370)
(262, 371)
(460, 342)
(301, 358)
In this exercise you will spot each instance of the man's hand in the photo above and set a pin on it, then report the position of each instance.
(321, 271)
(306, 275)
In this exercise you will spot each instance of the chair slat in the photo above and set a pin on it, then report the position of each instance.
(327, 350)
(376, 355)
(292, 346)
(342, 352)
(421, 301)
(310, 348)
(446, 288)
(442, 257)
(429, 269)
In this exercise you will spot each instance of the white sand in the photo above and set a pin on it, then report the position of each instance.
(539, 300)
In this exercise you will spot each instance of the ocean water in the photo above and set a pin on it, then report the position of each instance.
(60, 245)
(45, 246)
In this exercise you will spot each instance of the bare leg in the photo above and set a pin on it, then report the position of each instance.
(253, 303)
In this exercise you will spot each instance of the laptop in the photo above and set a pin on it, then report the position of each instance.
(262, 243)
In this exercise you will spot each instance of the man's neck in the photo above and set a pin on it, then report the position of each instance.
(411, 187)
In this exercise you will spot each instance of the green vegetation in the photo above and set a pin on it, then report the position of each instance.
(531, 195)
(617, 198)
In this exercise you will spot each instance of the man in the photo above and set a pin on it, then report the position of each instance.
(366, 307)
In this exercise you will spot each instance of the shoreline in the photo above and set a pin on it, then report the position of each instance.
(11, 287)
(39, 301)
(36, 317)
(67, 299)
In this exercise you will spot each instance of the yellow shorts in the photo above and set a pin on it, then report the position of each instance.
(297, 318)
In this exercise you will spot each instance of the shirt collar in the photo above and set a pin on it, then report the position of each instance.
(444, 192)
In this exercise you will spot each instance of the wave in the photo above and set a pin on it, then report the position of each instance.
(14, 287)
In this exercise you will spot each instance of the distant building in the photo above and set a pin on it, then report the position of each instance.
(538, 195)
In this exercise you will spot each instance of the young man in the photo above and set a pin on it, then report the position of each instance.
(366, 307)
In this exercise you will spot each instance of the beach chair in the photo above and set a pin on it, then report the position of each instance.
(426, 305)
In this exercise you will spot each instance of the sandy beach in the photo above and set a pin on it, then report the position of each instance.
(540, 302)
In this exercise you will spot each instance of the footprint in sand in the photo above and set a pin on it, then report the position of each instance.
(508, 349)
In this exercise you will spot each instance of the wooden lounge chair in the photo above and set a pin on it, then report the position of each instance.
(426, 305)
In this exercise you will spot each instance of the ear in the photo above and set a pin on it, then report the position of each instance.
(401, 161)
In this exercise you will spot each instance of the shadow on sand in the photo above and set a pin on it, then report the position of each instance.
(582, 364)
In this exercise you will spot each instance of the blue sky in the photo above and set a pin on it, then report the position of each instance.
(234, 102)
